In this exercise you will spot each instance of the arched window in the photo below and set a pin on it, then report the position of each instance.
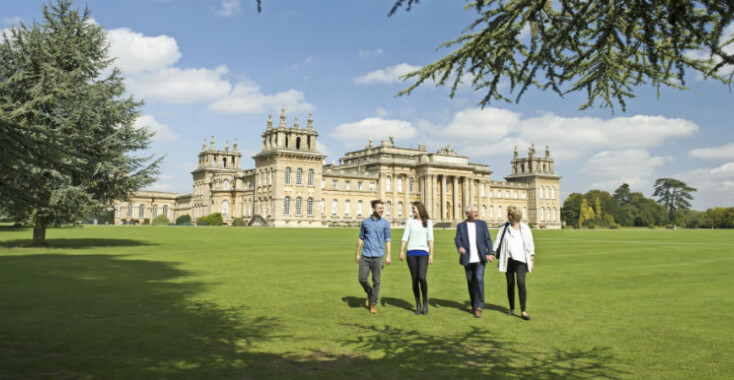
(547, 193)
(387, 208)
(491, 212)
(309, 207)
(334, 207)
(287, 176)
(165, 210)
(141, 211)
(400, 185)
(359, 208)
(117, 211)
(400, 209)
(226, 184)
(310, 177)
(298, 143)
(541, 193)
(542, 216)
(287, 206)
(554, 214)
(225, 208)
(298, 205)
(347, 207)
(155, 211)
(553, 193)
(299, 176)
(387, 183)
(514, 194)
(499, 212)
(411, 185)
(507, 194)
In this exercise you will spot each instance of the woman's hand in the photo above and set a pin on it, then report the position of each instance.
(402, 255)
(430, 258)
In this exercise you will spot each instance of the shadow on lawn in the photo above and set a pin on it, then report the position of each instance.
(75, 243)
(107, 317)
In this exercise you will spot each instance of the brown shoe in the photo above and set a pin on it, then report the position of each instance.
(478, 313)
(373, 309)
(367, 301)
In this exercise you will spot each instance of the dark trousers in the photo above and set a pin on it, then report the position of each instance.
(516, 268)
(367, 265)
(475, 281)
(418, 266)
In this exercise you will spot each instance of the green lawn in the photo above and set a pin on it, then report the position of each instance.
(233, 303)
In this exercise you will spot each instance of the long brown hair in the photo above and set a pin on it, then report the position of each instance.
(422, 212)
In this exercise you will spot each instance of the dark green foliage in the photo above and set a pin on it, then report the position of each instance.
(61, 103)
(104, 217)
(718, 217)
(161, 220)
(603, 48)
(214, 219)
(673, 194)
(598, 208)
(146, 221)
(238, 222)
(570, 209)
(183, 219)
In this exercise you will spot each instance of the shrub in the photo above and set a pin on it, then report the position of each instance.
(146, 221)
(238, 222)
(214, 219)
(183, 219)
(161, 220)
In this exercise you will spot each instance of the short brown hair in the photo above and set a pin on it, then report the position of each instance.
(376, 202)
(515, 213)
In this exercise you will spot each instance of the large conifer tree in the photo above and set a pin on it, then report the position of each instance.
(61, 97)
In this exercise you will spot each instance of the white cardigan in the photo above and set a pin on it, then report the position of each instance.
(527, 244)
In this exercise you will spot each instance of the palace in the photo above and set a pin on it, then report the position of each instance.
(291, 187)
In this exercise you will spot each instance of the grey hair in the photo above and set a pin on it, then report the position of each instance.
(468, 208)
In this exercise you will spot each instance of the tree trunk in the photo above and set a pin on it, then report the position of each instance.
(39, 231)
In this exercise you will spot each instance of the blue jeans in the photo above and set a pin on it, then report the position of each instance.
(475, 281)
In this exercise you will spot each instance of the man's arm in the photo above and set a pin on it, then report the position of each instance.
(488, 244)
(388, 244)
(360, 242)
(457, 240)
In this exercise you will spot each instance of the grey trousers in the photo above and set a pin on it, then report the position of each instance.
(373, 264)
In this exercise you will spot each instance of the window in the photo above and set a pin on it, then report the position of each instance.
(411, 185)
(165, 211)
(226, 184)
(309, 207)
(323, 183)
(491, 212)
(155, 211)
(117, 210)
(225, 208)
(387, 183)
(481, 189)
(299, 176)
(524, 195)
(514, 194)
(553, 193)
(141, 211)
(299, 202)
(334, 207)
(359, 208)
(484, 212)
(347, 185)
(387, 208)
(359, 185)
(507, 194)
(347, 207)
(310, 177)
(334, 184)
(540, 195)
(129, 210)
(554, 214)
(400, 185)
(547, 193)
(499, 212)
(287, 176)
(287, 206)
(400, 209)
(372, 186)
(323, 207)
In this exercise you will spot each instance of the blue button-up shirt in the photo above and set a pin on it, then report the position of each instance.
(375, 234)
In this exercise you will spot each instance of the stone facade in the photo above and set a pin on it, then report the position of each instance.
(291, 187)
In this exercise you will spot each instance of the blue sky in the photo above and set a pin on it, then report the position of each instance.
(218, 68)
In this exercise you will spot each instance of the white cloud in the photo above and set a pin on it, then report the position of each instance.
(489, 124)
(181, 86)
(725, 152)
(610, 168)
(229, 8)
(135, 52)
(388, 75)
(715, 185)
(381, 112)
(162, 132)
(370, 53)
(374, 128)
(247, 97)
(323, 149)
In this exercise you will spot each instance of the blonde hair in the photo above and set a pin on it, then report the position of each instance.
(515, 213)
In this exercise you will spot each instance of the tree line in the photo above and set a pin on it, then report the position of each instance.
(624, 208)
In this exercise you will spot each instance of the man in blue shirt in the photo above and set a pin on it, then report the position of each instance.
(374, 239)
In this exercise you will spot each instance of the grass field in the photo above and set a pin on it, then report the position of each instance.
(239, 303)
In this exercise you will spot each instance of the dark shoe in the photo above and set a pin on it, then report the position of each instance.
(417, 306)
(525, 316)
(425, 306)
(478, 313)
(511, 313)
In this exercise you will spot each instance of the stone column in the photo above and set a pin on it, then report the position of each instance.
(442, 191)
(455, 197)
(406, 205)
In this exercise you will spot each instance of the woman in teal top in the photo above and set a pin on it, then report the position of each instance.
(418, 236)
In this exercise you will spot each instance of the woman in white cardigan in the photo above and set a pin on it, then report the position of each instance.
(418, 236)
(516, 254)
